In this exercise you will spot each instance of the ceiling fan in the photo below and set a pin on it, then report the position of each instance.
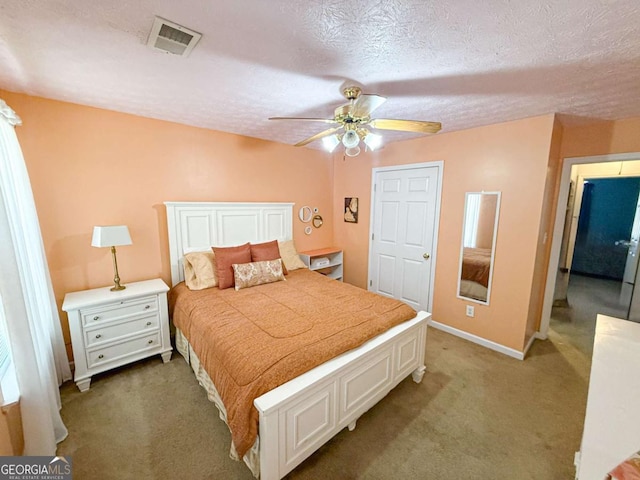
(352, 119)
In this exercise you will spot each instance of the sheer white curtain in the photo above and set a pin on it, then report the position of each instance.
(31, 313)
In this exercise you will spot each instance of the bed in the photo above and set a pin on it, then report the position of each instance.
(474, 277)
(298, 416)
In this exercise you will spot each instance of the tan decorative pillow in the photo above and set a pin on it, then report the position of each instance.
(257, 273)
(200, 270)
(225, 258)
(289, 255)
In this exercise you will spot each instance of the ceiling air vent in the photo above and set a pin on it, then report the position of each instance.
(170, 37)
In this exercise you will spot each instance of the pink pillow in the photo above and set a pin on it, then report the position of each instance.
(627, 470)
(261, 252)
(225, 258)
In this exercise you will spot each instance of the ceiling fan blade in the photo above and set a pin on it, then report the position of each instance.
(405, 125)
(325, 120)
(365, 104)
(318, 136)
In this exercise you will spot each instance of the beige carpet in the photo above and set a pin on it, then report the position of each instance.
(476, 415)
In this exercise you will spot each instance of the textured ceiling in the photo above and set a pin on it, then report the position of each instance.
(463, 63)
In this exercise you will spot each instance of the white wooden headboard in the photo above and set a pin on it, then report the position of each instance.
(197, 226)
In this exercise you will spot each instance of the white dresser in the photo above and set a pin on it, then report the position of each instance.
(110, 329)
(612, 421)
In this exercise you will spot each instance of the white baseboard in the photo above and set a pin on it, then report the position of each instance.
(541, 336)
(530, 342)
(482, 341)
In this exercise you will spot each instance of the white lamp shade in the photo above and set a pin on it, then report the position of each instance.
(373, 141)
(350, 139)
(110, 236)
(330, 143)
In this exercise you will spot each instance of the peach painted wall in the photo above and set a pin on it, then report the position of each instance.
(90, 166)
(486, 221)
(545, 232)
(602, 138)
(509, 157)
(97, 167)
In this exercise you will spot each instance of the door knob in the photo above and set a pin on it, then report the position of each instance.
(426, 256)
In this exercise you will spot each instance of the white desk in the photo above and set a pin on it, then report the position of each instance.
(612, 422)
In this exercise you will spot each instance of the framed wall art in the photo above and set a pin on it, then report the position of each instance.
(351, 209)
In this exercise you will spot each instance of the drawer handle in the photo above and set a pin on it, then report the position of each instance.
(96, 317)
(99, 335)
(147, 307)
(150, 342)
(100, 356)
(148, 323)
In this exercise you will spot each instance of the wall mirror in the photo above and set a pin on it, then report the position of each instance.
(479, 231)
(317, 221)
(305, 213)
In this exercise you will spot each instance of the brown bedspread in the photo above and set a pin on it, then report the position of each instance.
(252, 340)
(476, 265)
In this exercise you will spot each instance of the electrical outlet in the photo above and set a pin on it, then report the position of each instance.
(470, 311)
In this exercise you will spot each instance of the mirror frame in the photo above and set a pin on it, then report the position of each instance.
(317, 221)
(493, 246)
(305, 214)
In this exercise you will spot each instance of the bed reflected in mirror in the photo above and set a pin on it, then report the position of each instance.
(478, 245)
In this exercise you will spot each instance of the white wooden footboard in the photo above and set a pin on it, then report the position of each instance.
(301, 415)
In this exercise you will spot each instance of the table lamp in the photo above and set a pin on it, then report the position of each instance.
(112, 236)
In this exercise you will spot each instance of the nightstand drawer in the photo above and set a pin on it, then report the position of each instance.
(124, 349)
(113, 331)
(124, 309)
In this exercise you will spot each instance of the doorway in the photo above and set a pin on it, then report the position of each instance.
(591, 280)
(622, 165)
(604, 227)
(601, 238)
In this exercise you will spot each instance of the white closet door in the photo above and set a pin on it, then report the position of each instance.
(403, 234)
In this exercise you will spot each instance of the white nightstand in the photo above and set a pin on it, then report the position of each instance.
(110, 329)
(327, 261)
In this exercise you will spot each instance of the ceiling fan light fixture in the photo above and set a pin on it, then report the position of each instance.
(330, 143)
(351, 139)
(352, 151)
(351, 123)
(373, 141)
